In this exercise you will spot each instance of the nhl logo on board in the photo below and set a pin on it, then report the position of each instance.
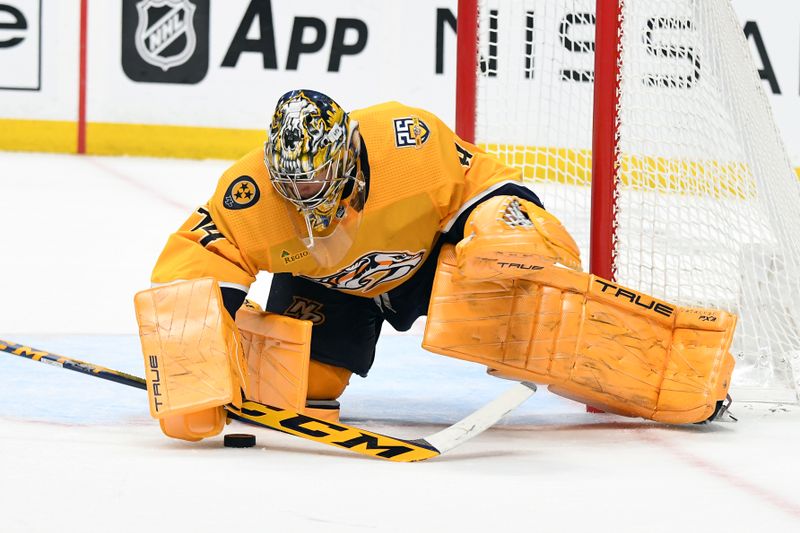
(165, 35)
(165, 41)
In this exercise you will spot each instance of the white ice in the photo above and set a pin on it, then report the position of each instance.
(79, 236)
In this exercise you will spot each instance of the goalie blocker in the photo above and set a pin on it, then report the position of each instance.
(198, 360)
(501, 299)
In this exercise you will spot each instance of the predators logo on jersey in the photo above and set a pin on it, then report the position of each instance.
(306, 309)
(410, 131)
(372, 270)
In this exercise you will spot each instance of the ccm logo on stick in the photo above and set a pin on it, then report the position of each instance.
(301, 424)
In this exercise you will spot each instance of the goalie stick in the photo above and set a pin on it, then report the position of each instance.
(338, 434)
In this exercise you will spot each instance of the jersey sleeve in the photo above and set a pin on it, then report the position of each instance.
(482, 171)
(199, 249)
(475, 176)
(454, 231)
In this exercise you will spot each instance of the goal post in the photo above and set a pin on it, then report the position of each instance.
(605, 117)
(644, 127)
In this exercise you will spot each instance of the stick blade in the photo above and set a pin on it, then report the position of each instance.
(476, 423)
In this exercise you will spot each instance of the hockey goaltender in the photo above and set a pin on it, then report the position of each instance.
(380, 214)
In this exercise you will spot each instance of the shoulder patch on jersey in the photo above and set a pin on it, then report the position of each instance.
(464, 156)
(410, 131)
(242, 192)
(371, 270)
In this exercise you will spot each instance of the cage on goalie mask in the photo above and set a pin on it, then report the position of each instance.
(313, 163)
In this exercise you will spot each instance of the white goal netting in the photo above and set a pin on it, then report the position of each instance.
(707, 205)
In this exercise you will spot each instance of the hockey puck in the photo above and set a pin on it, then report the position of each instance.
(240, 440)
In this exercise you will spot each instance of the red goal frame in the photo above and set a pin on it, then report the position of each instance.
(605, 123)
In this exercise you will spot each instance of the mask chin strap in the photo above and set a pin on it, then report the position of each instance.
(309, 231)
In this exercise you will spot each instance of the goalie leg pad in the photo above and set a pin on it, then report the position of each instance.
(192, 352)
(277, 349)
(589, 339)
(280, 370)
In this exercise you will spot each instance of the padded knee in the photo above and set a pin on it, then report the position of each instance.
(326, 382)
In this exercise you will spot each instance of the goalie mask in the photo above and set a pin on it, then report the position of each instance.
(312, 158)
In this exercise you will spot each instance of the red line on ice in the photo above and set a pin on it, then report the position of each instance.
(139, 185)
(773, 498)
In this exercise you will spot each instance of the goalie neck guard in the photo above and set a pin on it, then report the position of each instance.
(312, 157)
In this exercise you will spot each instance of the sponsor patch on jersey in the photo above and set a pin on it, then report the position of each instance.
(371, 270)
(289, 258)
(410, 131)
(242, 192)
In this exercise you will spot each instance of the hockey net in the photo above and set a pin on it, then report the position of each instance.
(702, 205)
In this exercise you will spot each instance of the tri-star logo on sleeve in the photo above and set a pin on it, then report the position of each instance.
(242, 192)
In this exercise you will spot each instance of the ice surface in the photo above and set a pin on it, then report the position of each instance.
(82, 454)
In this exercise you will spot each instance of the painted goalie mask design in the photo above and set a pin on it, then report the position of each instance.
(313, 163)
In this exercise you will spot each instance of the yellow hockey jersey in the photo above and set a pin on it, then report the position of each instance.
(421, 176)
